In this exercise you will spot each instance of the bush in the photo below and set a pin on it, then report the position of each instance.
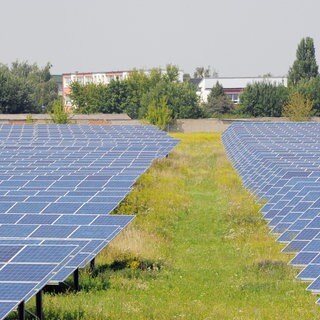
(263, 99)
(159, 115)
(298, 108)
(58, 114)
(311, 90)
(218, 102)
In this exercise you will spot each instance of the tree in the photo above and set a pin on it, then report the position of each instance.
(87, 98)
(217, 91)
(135, 94)
(305, 65)
(138, 84)
(159, 114)
(26, 88)
(218, 102)
(115, 97)
(186, 77)
(311, 90)
(43, 89)
(182, 99)
(58, 114)
(15, 92)
(202, 72)
(298, 108)
(263, 99)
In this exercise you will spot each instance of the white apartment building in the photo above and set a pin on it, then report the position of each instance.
(234, 86)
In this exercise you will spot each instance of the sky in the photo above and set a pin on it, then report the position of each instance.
(237, 38)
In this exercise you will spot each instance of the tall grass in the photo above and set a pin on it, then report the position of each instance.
(198, 249)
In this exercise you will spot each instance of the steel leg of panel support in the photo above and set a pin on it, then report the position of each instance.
(92, 264)
(39, 309)
(21, 311)
(76, 280)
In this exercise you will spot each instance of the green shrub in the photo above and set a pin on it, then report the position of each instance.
(159, 115)
(58, 114)
(263, 99)
(298, 108)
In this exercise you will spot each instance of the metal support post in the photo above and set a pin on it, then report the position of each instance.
(92, 264)
(21, 311)
(39, 309)
(76, 280)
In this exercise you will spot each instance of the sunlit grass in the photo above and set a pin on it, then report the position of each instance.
(198, 249)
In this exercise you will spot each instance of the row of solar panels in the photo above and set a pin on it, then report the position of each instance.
(58, 184)
(280, 164)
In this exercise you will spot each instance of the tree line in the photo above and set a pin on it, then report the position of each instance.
(159, 96)
(267, 99)
(26, 88)
(139, 95)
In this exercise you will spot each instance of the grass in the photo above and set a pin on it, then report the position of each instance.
(198, 249)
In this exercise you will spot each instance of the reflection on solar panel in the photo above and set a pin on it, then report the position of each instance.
(280, 164)
(58, 184)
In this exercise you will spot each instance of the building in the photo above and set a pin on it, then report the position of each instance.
(95, 77)
(88, 77)
(233, 86)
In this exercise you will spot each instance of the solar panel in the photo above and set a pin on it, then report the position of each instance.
(58, 183)
(280, 164)
(27, 271)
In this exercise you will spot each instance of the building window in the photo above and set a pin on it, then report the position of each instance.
(234, 97)
(66, 82)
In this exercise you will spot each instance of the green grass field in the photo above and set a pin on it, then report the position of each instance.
(198, 249)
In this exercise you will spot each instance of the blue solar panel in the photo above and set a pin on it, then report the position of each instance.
(51, 177)
(96, 208)
(53, 231)
(75, 219)
(95, 232)
(299, 224)
(315, 286)
(311, 272)
(48, 254)
(42, 199)
(312, 196)
(279, 163)
(28, 207)
(94, 246)
(22, 231)
(71, 199)
(312, 246)
(10, 218)
(307, 234)
(40, 184)
(25, 272)
(287, 236)
(63, 207)
(315, 223)
(37, 218)
(8, 252)
(78, 260)
(65, 184)
(5, 206)
(63, 274)
(6, 307)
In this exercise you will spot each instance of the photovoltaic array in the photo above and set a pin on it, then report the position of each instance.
(58, 184)
(280, 164)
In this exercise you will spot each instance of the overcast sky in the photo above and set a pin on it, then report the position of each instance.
(235, 37)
